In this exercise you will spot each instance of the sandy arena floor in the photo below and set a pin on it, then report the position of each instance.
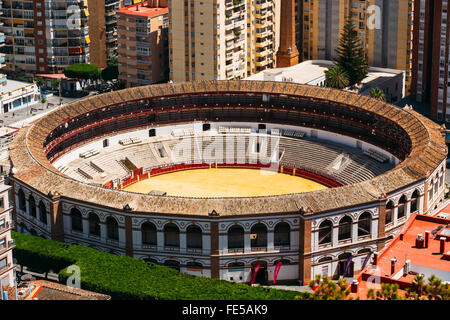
(209, 183)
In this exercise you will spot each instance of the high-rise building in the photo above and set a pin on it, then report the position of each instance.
(44, 36)
(143, 43)
(103, 30)
(385, 28)
(222, 39)
(431, 61)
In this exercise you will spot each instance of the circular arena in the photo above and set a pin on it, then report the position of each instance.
(245, 181)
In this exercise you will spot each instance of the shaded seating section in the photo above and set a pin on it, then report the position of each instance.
(376, 155)
(344, 164)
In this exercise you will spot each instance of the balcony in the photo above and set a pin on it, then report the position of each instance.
(7, 226)
(8, 246)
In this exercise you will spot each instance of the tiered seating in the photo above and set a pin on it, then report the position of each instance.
(183, 132)
(376, 155)
(89, 153)
(275, 132)
(348, 165)
(235, 130)
(84, 173)
(323, 157)
(128, 141)
(293, 133)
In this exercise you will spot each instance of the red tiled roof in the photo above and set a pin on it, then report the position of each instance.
(404, 250)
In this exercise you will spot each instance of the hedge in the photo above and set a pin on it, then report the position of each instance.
(131, 278)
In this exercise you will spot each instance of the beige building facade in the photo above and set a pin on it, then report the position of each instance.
(142, 44)
(385, 28)
(222, 39)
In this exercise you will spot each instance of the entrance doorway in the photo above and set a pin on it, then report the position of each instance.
(262, 275)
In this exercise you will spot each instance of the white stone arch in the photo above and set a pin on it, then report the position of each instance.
(235, 223)
(323, 256)
(197, 224)
(175, 222)
(142, 221)
(252, 224)
(363, 211)
(288, 221)
(343, 216)
(320, 221)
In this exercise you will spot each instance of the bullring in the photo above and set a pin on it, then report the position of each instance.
(398, 158)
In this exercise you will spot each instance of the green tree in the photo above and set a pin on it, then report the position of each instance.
(388, 292)
(111, 72)
(336, 77)
(436, 290)
(39, 81)
(325, 289)
(350, 54)
(378, 94)
(83, 71)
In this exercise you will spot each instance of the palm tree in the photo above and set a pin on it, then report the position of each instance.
(378, 94)
(418, 284)
(336, 77)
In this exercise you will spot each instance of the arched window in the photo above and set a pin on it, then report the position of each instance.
(325, 259)
(325, 232)
(149, 234)
(414, 201)
(259, 236)
(172, 264)
(282, 234)
(150, 261)
(77, 220)
(283, 262)
(401, 211)
(364, 224)
(389, 212)
(236, 238)
(236, 265)
(32, 203)
(22, 201)
(194, 265)
(112, 229)
(171, 236)
(94, 225)
(345, 228)
(194, 237)
(42, 212)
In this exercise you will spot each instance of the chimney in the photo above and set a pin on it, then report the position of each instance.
(393, 261)
(375, 258)
(354, 286)
(419, 241)
(442, 247)
(407, 267)
(401, 236)
(427, 238)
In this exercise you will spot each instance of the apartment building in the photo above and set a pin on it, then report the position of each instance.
(7, 267)
(44, 36)
(143, 43)
(431, 57)
(385, 28)
(103, 30)
(222, 39)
